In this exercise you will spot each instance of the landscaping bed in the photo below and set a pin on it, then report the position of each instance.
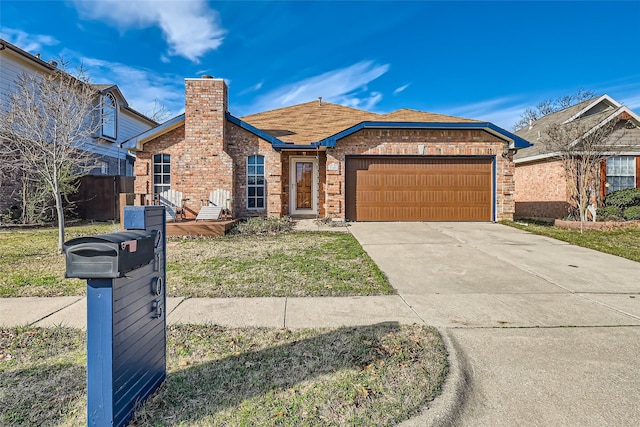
(374, 375)
(598, 225)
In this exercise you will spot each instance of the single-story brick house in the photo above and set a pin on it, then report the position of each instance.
(541, 181)
(326, 160)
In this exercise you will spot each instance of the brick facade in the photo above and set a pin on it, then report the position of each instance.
(240, 145)
(541, 190)
(419, 143)
(209, 152)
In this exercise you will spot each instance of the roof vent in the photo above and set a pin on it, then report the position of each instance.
(530, 123)
(53, 63)
(206, 76)
(319, 101)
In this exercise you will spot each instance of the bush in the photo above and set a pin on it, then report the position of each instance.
(253, 226)
(609, 213)
(632, 213)
(623, 198)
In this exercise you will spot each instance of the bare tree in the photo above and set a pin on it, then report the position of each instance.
(551, 106)
(159, 112)
(45, 128)
(582, 146)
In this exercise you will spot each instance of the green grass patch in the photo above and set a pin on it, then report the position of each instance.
(292, 264)
(289, 264)
(374, 375)
(31, 266)
(623, 242)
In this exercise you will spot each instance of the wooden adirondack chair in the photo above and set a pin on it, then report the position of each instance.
(173, 203)
(218, 203)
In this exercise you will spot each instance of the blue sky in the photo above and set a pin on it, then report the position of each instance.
(482, 60)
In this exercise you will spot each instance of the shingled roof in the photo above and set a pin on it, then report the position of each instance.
(314, 121)
(588, 113)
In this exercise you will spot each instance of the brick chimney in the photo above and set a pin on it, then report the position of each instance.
(207, 165)
(205, 107)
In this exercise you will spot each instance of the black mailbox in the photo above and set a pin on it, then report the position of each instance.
(108, 256)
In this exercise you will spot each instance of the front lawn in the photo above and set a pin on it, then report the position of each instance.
(290, 264)
(30, 265)
(372, 375)
(623, 242)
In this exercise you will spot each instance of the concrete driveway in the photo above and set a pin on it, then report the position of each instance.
(547, 333)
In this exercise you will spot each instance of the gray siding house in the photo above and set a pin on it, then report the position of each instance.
(123, 121)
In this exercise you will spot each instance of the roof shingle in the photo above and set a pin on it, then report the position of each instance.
(315, 121)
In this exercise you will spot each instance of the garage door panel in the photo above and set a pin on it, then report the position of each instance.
(419, 189)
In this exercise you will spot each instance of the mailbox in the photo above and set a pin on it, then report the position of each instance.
(109, 255)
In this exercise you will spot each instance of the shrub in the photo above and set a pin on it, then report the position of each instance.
(609, 213)
(623, 198)
(632, 213)
(253, 226)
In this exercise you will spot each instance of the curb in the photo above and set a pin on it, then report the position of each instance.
(445, 410)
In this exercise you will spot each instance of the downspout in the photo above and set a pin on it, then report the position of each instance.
(318, 182)
(125, 159)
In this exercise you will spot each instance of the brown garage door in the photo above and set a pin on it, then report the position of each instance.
(418, 189)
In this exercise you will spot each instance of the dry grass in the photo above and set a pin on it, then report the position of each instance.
(30, 265)
(292, 264)
(375, 375)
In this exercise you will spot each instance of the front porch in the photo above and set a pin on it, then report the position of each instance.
(192, 228)
(181, 227)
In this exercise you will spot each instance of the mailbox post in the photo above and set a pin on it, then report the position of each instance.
(126, 316)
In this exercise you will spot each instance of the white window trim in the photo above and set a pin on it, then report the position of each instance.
(104, 168)
(104, 116)
(162, 173)
(264, 185)
(633, 172)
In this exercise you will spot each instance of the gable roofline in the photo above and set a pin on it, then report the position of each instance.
(137, 142)
(104, 89)
(593, 103)
(254, 130)
(515, 142)
(6, 45)
(621, 109)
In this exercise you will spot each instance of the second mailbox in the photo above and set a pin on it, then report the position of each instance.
(107, 256)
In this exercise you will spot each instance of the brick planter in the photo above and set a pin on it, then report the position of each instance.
(590, 225)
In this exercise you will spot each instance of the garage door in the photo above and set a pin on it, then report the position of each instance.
(418, 189)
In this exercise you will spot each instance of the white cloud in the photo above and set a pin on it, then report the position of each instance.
(256, 87)
(632, 102)
(31, 43)
(401, 88)
(504, 112)
(141, 87)
(190, 28)
(346, 86)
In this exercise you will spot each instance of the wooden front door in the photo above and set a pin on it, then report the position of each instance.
(303, 186)
(304, 172)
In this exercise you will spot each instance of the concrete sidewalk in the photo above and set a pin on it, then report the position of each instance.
(234, 312)
(539, 332)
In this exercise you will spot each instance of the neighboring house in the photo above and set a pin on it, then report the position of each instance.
(326, 160)
(541, 182)
(120, 122)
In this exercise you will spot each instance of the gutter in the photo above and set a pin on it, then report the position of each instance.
(515, 142)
